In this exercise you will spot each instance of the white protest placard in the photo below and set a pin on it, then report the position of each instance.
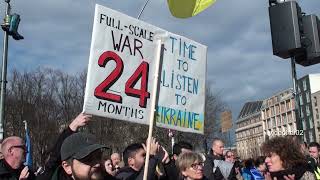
(182, 85)
(121, 67)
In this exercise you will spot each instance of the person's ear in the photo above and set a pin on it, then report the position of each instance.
(67, 167)
(10, 151)
(175, 157)
(184, 173)
(131, 161)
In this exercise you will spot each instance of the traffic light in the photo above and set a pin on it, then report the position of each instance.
(14, 24)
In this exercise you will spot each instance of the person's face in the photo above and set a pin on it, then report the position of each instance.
(115, 158)
(88, 168)
(218, 147)
(138, 160)
(230, 157)
(313, 151)
(274, 162)
(262, 167)
(18, 151)
(195, 171)
(108, 165)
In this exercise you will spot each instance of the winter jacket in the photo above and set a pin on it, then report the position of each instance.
(300, 171)
(59, 174)
(127, 173)
(171, 170)
(54, 162)
(256, 174)
(215, 168)
(204, 178)
(246, 174)
(7, 173)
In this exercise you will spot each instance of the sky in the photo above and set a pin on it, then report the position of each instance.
(241, 66)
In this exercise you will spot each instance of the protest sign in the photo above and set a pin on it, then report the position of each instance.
(121, 67)
(182, 85)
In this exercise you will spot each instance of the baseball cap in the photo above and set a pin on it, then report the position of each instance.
(78, 146)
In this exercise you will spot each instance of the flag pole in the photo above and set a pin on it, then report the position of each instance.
(145, 4)
(25, 125)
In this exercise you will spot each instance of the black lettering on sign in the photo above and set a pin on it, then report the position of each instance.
(125, 43)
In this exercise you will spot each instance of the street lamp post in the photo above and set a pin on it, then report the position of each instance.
(295, 95)
(4, 71)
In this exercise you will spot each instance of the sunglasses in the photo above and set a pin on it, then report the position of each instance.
(196, 166)
(23, 147)
(229, 156)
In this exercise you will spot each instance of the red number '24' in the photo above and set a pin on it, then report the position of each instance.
(140, 73)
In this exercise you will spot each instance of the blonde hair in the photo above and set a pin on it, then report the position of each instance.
(185, 160)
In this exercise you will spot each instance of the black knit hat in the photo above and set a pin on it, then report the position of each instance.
(78, 146)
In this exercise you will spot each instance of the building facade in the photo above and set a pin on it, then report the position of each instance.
(249, 130)
(275, 116)
(315, 100)
(307, 86)
(278, 115)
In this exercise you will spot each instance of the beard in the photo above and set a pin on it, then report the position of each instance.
(94, 174)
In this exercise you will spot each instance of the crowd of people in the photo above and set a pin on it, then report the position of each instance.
(78, 156)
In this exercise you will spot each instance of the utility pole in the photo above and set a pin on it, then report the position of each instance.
(4, 69)
(10, 28)
(296, 95)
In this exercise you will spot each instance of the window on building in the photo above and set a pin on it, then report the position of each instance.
(308, 96)
(307, 110)
(304, 82)
(289, 115)
(300, 100)
(311, 123)
(315, 101)
(301, 112)
(288, 104)
(291, 127)
(273, 122)
(292, 103)
(311, 136)
(304, 124)
(293, 117)
(317, 114)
